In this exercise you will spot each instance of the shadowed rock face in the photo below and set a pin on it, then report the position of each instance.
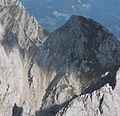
(17, 111)
(43, 77)
(81, 51)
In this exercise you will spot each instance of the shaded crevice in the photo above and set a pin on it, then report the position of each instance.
(100, 105)
(7, 87)
(30, 77)
(17, 111)
(110, 79)
(51, 86)
(54, 109)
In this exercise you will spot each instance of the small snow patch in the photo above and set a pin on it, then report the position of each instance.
(104, 75)
(2, 32)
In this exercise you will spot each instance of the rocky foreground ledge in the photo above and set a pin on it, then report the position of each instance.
(74, 72)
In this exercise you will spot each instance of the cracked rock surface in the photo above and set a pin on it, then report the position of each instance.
(73, 72)
(102, 102)
(22, 83)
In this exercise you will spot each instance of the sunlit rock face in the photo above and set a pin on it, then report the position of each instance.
(22, 83)
(78, 64)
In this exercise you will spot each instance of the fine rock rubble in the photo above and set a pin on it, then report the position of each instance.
(75, 71)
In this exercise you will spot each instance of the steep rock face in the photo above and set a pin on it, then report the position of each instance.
(81, 52)
(22, 85)
(78, 63)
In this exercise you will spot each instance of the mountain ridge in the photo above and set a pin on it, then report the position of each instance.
(41, 76)
(85, 57)
(52, 14)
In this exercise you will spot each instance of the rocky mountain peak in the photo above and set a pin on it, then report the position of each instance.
(81, 52)
(77, 65)
(82, 39)
(89, 28)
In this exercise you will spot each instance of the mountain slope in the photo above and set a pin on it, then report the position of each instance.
(81, 52)
(20, 39)
(40, 76)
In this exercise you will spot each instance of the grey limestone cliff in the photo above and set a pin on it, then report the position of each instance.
(22, 83)
(75, 71)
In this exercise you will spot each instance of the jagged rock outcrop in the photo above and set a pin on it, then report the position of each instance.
(102, 102)
(85, 57)
(22, 82)
(77, 65)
